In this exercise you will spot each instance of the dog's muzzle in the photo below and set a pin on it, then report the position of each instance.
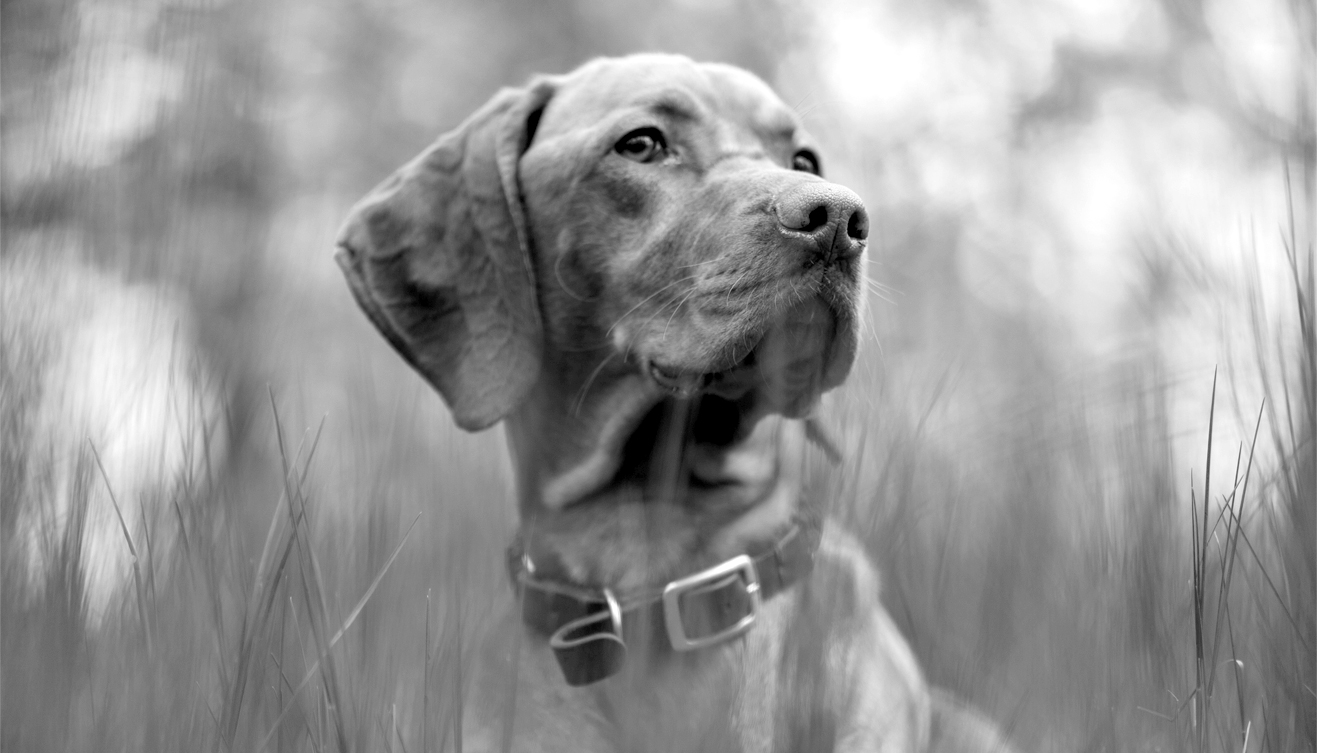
(589, 628)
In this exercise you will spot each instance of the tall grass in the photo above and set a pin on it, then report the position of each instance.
(248, 653)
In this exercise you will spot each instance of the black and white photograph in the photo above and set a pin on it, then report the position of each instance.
(678, 376)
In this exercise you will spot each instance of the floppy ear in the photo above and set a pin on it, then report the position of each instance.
(438, 256)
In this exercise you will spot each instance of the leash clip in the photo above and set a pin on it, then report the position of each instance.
(737, 569)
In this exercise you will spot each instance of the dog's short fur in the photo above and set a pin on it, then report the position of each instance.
(638, 269)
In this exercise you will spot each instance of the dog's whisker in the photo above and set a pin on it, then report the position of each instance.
(714, 260)
(693, 243)
(732, 288)
(879, 292)
(648, 298)
(585, 388)
(878, 289)
(677, 309)
(868, 330)
(878, 284)
(704, 227)
(677, 305)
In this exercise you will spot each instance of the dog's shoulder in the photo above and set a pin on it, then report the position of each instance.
(846, 660)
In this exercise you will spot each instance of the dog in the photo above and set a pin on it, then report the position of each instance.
(639, 271)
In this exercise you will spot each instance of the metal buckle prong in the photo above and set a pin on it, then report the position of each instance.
(742, 565)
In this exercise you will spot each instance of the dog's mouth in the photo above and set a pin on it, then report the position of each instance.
(694, 437)
(670, 450)
(682, 420)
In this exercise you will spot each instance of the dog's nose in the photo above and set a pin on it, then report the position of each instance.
(828, 217)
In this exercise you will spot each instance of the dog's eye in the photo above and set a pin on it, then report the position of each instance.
(642, 145)
(805, 161)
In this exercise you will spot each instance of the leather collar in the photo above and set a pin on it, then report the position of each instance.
(588, 627)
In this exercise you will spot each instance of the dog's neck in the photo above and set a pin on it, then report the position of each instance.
(630, 535)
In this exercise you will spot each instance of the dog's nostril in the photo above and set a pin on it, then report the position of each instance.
(857, 227)
(818, 217)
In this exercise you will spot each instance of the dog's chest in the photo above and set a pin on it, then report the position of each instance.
(821, 670)
(724, 698)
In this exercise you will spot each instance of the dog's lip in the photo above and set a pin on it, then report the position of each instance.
(681, 384)
(736, 371)
(686, 383)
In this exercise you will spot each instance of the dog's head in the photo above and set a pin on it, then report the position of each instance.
(633, 264)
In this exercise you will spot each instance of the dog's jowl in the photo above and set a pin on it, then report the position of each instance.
(640, 270)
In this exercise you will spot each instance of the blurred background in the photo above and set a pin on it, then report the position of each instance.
(1091, 258)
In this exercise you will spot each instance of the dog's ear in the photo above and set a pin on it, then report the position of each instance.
(438, 256)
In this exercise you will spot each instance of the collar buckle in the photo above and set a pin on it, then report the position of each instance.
(713, 583)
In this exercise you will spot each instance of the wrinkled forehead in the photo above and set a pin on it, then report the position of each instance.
(668, 87)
